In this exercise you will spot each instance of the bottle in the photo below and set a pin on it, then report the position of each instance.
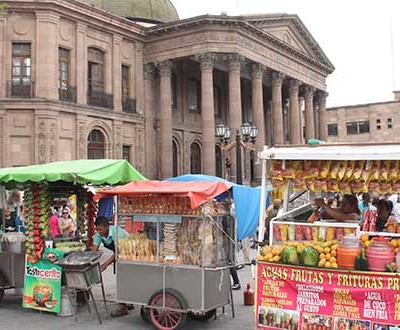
(248, 296)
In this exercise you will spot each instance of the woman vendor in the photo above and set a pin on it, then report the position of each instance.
(383, 210)
(348, 209)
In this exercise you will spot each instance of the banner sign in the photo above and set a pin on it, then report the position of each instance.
(42, 288)
(294, 298)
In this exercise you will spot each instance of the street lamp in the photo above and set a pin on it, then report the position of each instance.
(249, 133)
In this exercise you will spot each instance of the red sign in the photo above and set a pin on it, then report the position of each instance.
(294, 298)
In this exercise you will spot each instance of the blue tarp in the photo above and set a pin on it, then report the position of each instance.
(247, 203)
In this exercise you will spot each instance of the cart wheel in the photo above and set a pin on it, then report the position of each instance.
(202, 317)
(164, 319)
(2, 283)
(145, 313)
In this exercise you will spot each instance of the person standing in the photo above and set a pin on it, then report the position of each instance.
(66, 224)
(53, 222)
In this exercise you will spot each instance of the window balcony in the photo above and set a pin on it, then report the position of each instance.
(21, 90)
(129, 105)
(100, 99)
(67, 94)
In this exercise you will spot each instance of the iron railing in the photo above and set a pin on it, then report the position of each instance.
(129, 105)
(26, 90)
(67, 94)
(100, 99)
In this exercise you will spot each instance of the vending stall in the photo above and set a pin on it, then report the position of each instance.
(321, 273)
(43, 186)
(178, 263)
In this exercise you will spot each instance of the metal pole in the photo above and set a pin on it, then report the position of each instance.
(239, 179)
(263, 200)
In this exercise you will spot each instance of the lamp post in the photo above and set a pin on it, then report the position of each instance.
(248, 132)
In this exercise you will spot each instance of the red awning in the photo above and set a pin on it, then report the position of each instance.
(197, 191)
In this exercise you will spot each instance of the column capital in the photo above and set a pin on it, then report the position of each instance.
(277, 79)
(165, 68)
(321, 97)
(149, 71)
(206, 60)
(235, 61)
(257, 70)
(309, 91)
(294, 86)
(117, 39)
(81, 27)
(47, 17)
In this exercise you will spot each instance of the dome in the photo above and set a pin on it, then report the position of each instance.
(157, 11)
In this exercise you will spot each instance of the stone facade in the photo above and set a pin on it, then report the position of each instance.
(79, 82)
(373, 122)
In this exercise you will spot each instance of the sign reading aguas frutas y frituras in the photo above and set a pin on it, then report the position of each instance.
(292, 297)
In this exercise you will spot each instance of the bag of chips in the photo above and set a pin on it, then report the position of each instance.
(394, 166)
(335, 166)
(384, 171)
(342, 170)
(358, 169)
(325, 168)
(349, 170)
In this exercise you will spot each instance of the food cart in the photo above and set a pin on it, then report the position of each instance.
(328, 274)
(179, 263)
(44, 183)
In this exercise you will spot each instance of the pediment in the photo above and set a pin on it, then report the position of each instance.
(290, 30)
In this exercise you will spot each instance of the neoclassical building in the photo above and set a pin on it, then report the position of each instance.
(128, 79)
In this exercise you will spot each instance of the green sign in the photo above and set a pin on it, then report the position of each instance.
(42, 288)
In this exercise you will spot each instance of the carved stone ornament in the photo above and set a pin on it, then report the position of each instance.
(277, 79)
(206, 61)
(165, 68)
(22, 25)
(321, 97)
(53, 141)
(149, 71)
(294, 85)
(235, 61)
(257, 70)
(42, 142)
(309, 91)
(81, 133)
(65, 32)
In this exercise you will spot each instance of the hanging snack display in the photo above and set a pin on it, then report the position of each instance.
(137, 247)
(345, 176)
(36, 208)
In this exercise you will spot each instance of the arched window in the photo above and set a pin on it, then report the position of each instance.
(96, 145)
(218, 161)
(175, 171)
(195, 158)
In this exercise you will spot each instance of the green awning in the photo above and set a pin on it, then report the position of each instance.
(84, 171)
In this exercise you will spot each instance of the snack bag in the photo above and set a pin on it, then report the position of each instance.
(278, 184)
(344, 187)
(366, 173)
(349, 170)
(320, 185)
(276, 170)
(394, 166)
(384, 171)
(298, 233)
(299, 183)
(307, 233)
(288, 172)
(310, 185)
(396, 186)
(325, 168)
(358, 169)
(276, 233)
(312, 168)
(375, 170)
(332, 185)
(374, 186)
(342, 170)
(335, 166)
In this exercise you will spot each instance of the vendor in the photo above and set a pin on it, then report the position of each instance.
(348, 209)
(383, 210)
(106, 235)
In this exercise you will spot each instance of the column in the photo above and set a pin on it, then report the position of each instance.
(117, 68)
(47, 27)
(207, 112)
(81, 63)
(151, 141)
(321, 98)
(258, 111)
(2, 57)
(165, 119)
(139, 86)
(309, 112)
(295, 115)
(235, 99)
(277, 113)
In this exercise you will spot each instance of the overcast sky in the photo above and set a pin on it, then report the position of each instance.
(360, 37)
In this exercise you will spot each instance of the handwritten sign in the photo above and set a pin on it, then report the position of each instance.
(292, 297)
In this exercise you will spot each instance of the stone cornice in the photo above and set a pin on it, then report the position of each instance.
(236, 23)
(81, 12)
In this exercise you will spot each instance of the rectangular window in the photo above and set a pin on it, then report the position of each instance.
(352, 128)
(332, 129)
(378, 121)
(389, 120)
(126, 153)
(194, 95)
(96, 71)
(125, 70)
(21, 70)
(63, 69)
(389, 123)
(360, 127)
(378, 127)
(390, 126)
(363, 127)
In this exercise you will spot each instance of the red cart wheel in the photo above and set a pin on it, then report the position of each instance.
(165, 319)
